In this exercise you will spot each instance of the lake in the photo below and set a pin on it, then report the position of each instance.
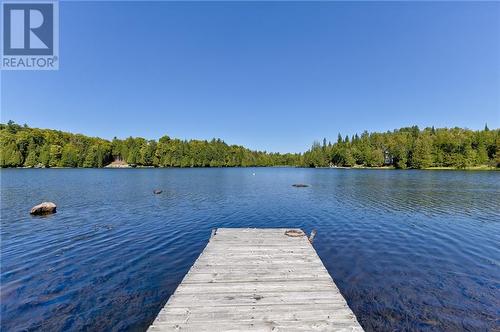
(409, 250)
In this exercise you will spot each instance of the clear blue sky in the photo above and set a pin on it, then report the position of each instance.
(270, 76)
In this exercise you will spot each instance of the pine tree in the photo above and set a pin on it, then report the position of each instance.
(91, 157)
(44, 157)
(10, 156)
(422, 154)
(69, 156)
(31, 159)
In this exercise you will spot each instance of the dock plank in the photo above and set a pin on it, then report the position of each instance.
(257, 280)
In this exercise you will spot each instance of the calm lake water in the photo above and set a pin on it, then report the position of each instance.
(410, 250)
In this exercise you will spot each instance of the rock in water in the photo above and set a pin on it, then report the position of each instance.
(157, 191)
(300, 185)
(44, 208)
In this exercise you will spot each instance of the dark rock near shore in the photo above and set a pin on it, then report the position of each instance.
(300, 185)
(43, 208)
(157, 191)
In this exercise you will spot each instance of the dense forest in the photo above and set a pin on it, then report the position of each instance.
(410, 148)
(32, 147)
(22, 146)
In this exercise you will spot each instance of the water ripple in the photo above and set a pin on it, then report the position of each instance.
(410, 250)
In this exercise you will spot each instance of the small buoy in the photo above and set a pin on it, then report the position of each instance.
(253, 174)
(157, 191)
(43, 208)
(300, 185)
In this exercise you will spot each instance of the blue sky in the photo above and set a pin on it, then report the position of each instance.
(270, 76)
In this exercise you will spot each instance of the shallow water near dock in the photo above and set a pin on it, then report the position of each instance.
(409, 250)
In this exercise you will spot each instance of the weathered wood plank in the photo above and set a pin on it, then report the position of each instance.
(271, 286)
(257, 280)
(253, 314)
(280, 326)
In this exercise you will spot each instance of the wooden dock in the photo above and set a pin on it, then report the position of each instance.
(257, 280)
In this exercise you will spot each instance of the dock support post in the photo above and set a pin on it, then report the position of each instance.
(313, 234)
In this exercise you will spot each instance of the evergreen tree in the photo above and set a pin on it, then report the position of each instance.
(422, 154)
(31, 159)
(401, 148)
(44, 157)
(91, 157)
(10, 156)
(55, 155)
(69, 156)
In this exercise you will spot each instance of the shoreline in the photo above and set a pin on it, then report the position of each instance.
(439, 168)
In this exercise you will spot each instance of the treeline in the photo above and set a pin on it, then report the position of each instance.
(410, 148)
(22, 146)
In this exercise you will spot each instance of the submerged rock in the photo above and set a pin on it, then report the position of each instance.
(300, 185)
(157, 191)
(43, 208)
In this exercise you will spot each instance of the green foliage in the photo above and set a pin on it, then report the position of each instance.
(375, 158)
(30, 147)
(91, 157)
(44, 157)
(69, 156)
(411, 148)
(403, 148)
(24, 146)
(55, 153)
(31, 159)
(10, 156)
(422, 153)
